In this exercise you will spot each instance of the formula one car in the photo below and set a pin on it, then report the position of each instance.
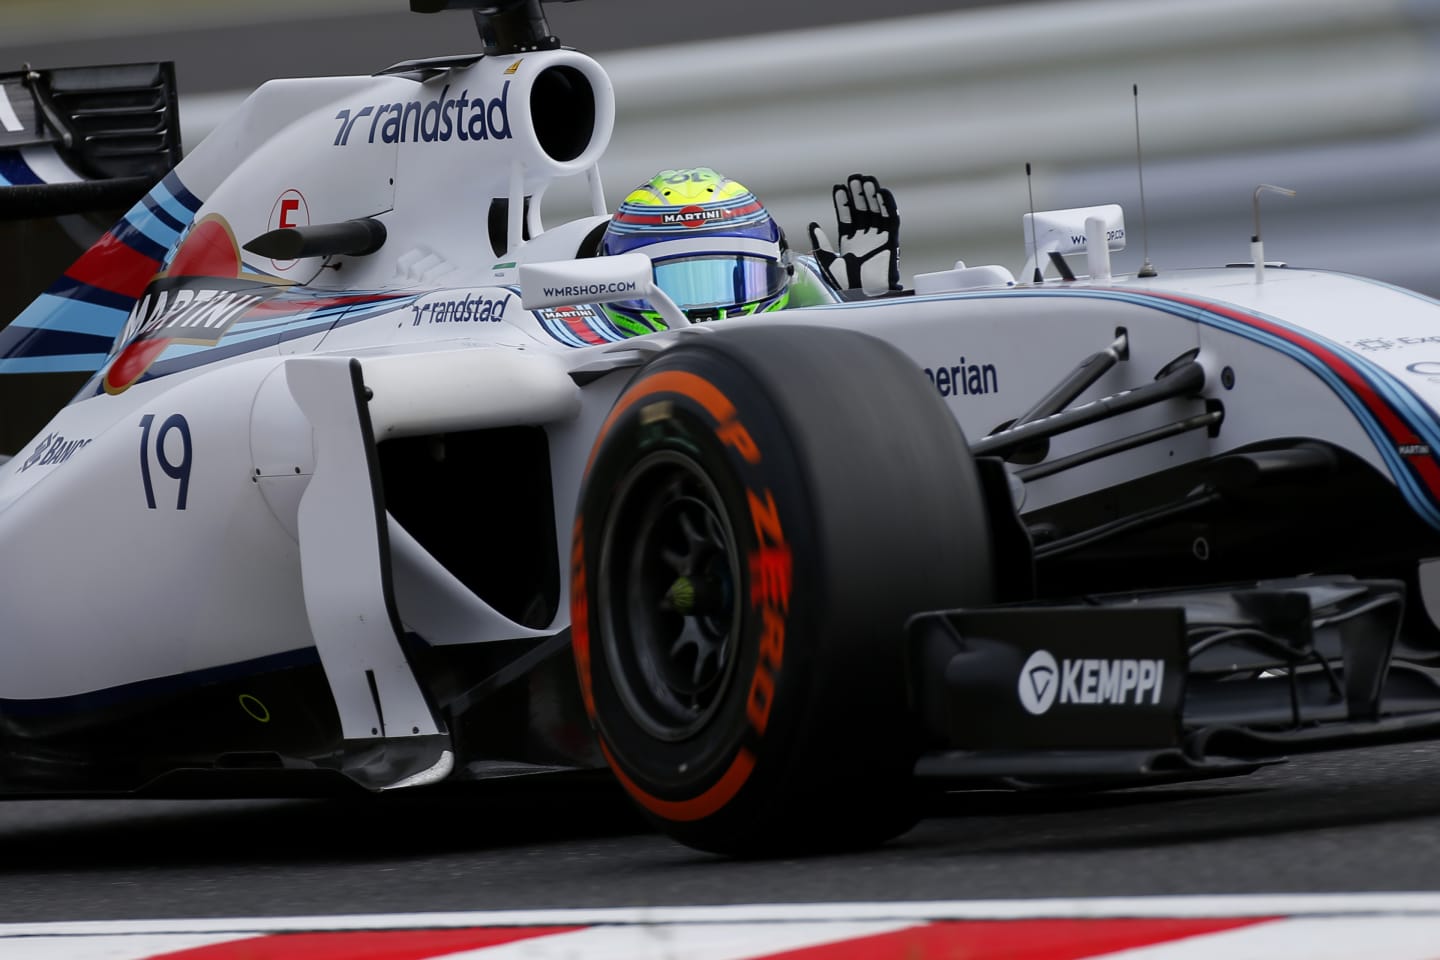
(354, 489)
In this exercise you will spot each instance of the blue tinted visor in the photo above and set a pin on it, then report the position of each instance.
(719, 280)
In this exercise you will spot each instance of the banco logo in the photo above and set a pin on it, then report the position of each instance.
(52, 450)
(1039, 680)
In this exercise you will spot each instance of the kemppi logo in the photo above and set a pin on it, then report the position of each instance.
(1088, 682)
(1039, 679)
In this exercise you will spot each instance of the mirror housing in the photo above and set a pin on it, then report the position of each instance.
(629, 276)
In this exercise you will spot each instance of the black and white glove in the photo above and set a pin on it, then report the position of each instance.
(868, 257)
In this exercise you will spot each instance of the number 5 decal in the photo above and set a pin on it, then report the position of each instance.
(175, 471)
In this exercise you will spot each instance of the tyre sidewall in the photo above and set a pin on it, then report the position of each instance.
(672, 407)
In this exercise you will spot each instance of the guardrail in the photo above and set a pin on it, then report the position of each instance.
(1338, 99)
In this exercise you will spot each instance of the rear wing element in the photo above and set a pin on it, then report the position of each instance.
(85, 138)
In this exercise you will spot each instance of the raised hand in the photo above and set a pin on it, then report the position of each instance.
(868, 255)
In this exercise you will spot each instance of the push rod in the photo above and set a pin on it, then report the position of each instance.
(1185, 380)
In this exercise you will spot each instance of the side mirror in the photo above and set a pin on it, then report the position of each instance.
(629, 276)
(1095, 231)
(351, 238)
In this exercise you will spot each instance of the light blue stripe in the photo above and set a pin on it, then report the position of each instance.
(159, 233)
(71, 363)
(1414, 492)
(177, 350)
(1400, 471)
(245, 327)
(166, 200)
(607, 329)
(561, 332)
(1413, 413)
(310, 323)
(245, 336)
(50, 312)
(1400, 396)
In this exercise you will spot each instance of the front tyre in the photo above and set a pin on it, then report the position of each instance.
(764, 508)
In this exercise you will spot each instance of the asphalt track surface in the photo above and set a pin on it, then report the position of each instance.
(1365, 820)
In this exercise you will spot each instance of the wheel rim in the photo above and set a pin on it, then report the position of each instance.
(669, 596)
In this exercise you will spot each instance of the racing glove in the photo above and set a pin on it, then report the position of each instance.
(868, 257)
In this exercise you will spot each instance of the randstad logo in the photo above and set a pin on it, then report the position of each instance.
(441, 119)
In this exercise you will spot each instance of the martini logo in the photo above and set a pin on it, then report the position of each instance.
(570, 313)
(580, 320)
(693, 217)
(194, 301)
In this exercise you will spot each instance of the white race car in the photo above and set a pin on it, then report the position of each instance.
(339, 481)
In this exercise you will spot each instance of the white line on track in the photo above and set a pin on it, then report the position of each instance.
(695, 941)
(132, 947)
(1314, 938)
(1268, 905)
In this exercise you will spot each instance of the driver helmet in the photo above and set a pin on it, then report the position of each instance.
(716, 250)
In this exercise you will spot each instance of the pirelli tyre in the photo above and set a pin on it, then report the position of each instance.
(764, 507)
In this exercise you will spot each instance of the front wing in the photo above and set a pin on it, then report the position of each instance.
(1127, 689)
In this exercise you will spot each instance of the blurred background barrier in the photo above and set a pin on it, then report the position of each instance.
(1338, 99)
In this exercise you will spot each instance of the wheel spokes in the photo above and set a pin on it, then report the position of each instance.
(678, 591)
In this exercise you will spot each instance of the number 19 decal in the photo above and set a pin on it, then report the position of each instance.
(175, 471)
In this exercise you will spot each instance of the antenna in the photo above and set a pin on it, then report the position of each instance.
(506, 26)
(1146, 269)
(1034, 244)
(1257, 246)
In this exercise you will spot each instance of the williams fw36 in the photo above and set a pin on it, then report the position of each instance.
(328, 471)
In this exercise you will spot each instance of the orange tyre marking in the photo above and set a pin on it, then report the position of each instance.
(580, 617)
(690, 385)
(698, 808)
(719, 407)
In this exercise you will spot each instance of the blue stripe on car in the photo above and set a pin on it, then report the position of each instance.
(14, 171)
(1386, 386)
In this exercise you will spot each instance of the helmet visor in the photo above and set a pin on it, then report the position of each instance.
(719, 280)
